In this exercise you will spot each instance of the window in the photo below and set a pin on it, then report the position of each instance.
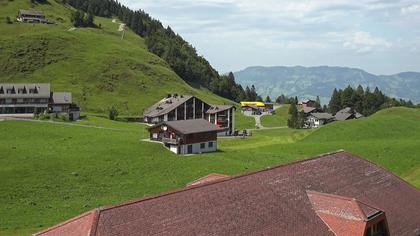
(210, 144)
(203, 145)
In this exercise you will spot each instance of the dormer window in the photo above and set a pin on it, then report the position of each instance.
(348, 216)
(1, 90)
(378, 229)
(11, 90)
(22, 90)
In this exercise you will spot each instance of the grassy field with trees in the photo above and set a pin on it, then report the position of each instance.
(73, 169)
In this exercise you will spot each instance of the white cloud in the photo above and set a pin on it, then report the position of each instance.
(236, 33)
(410, 9)
(364, 42)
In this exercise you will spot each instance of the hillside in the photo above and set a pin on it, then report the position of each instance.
(313, 81)
(112, 165)
(95, 64)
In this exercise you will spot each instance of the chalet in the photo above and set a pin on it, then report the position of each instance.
(317, 119)
(309, 110)
(31, 16)
(347, 114)
(251, 110)
(337, 194)
(186, 136)
(184, 107)
(35, 99)
(256, 108)
(307, 103)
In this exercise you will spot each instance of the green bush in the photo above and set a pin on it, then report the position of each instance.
(113, 113)
(8, 20)
(42, 116)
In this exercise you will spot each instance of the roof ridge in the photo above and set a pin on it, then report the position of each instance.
(217, 182)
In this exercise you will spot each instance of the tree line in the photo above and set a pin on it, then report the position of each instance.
(165, 43)
(363, 100)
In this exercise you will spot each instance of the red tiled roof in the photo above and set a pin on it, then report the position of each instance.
(344, 216)
(208, 179)
(273, 201)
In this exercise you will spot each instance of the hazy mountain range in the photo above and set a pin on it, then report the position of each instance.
(308, 82)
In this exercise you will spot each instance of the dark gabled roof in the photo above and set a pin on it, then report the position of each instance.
(190, 126)
(31, 12)
(219, 108)
(61, 98)
(166, 105)
(42, 90)
(322, 116)
(273, 201)
(308, 110)
(347, 113)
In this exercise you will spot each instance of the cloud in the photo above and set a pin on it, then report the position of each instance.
(236, 33)
(364, 42)
(410, 9)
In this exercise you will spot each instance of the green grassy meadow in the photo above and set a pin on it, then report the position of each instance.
(51, 172)
(279, 118)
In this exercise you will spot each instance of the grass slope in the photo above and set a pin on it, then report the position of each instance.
(74, 169)
(279, 119)
(99, 68)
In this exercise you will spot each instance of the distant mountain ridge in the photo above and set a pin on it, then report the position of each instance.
(321, 80)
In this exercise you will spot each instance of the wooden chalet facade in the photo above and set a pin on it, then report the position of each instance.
(184, 107)
(307, 103)
(186, 136)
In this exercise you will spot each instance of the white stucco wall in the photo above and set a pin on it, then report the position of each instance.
(196, 148)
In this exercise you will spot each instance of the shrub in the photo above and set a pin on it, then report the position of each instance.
(113, 113)
(8, 20)
(42, 117)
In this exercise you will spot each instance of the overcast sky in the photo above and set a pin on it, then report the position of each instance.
(379, 36)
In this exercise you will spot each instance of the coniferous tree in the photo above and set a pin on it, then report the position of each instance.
(318, 103)
(292, 122)
(268, 99)
(301, 120)
(346, 97)
(335, 103)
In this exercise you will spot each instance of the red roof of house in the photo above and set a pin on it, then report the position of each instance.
(273, 201)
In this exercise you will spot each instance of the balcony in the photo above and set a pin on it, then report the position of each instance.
(171, 141)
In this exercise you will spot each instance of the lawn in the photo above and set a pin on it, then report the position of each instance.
(51, 172)
(279, 118)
